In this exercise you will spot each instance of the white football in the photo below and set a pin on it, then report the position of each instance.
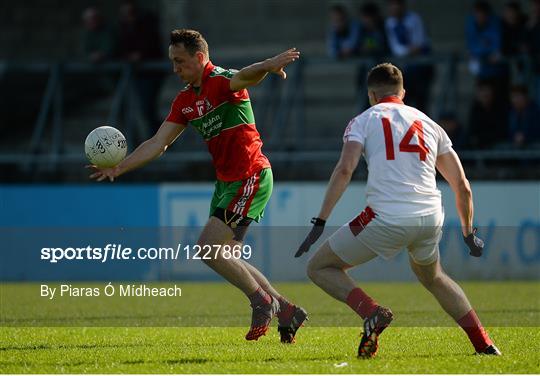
(105, 147)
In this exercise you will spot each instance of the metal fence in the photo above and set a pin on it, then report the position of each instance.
(281, 103)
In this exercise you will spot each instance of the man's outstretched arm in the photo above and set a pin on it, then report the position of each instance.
(350, 154)
(255, 73)
(145, 152)
(450, 168)
(341, 177)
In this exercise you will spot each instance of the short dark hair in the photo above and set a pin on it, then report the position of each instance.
(385, 76)
(192, 40)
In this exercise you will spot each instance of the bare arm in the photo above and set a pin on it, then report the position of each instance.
(255, 73)
(350, 154)
(450, 168)
(145, 152)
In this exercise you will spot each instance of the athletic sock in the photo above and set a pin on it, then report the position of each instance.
(471, 324)
(259, 297)
(361, 303)
(286, 309)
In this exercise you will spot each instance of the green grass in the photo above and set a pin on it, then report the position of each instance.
(421, 339)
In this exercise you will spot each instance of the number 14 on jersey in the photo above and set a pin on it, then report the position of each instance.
(405, 144)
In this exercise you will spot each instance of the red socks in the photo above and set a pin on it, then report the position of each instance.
(259, 297)
(286, 309)
(475, 331)
(361, 303)
(364, 306)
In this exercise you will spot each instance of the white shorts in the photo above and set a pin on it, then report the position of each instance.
(369, 235)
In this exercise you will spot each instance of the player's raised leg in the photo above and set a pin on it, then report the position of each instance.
(328, 271)
(216, 233)
(265, 307)
(454, 301)
(235, 205)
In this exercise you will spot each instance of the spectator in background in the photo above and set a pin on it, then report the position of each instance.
(405, 30)
(524, 119)
(372, 41)
(407, 38)
(514, 40)
(533, 45)
(483, 33)
(97, 46)
(449, 122)
(487, 118)
(97, 42)
(139, 41)
(513, 30)
(343, 34)
(139, 37)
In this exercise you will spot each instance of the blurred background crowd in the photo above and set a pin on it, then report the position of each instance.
(500, 46)
(135, 38)
(67, 67)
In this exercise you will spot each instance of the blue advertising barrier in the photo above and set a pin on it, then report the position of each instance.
(169, 215)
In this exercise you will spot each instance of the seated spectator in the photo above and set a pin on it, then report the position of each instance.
(372, 40)
(139, 36)
(454, 130)
(513, 30)
(372, 43)
(96, 46)
(140, 41)
(97, 42)
(487, 118)
(483, 33)
(524, 123)
(343, 34)
(405, 30)
(407, 38)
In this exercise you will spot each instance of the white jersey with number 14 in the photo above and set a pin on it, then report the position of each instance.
(401, 145)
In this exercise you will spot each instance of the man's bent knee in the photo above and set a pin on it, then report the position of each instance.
(215, 233)
(324, 258)
(312, 269)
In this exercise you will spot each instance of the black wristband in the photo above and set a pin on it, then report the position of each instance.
(317, 221)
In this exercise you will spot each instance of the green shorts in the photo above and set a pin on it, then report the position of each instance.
(247, 198)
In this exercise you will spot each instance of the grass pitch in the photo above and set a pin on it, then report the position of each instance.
(421, 339)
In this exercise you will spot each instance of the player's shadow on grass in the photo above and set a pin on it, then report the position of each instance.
(187, 361)
(67, 347)
(127, 362)
(172, 320)
(168, 361)
(427, 356)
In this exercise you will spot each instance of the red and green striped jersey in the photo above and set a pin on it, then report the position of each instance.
(225, 120)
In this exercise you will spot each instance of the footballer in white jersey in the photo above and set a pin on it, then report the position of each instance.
(403, 148)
